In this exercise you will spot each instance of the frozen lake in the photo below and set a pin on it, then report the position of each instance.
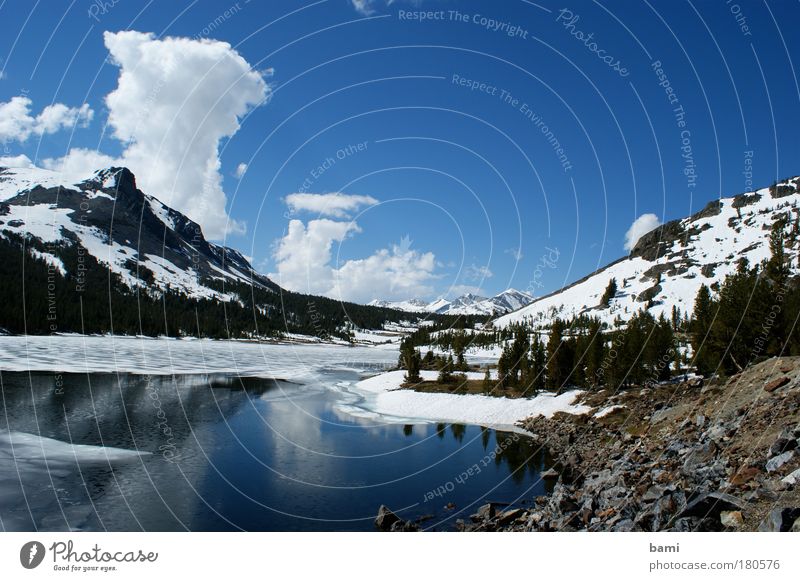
(101, 433)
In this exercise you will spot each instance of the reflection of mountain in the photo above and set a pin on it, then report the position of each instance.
(161, 416)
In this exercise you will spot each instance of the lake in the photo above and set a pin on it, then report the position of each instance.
(228, 450)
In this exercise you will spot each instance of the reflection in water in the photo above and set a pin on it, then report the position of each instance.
(221, 452)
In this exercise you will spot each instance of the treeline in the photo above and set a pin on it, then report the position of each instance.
(36, 298)
(753, 315)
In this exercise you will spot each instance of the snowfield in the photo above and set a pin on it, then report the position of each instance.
(383, 396)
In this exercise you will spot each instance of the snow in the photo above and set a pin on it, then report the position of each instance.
(20, 447)
(608, 410)
(143, 355)
(467, 304)
(17, 180)
(53, 261)
(383, 395)
(718, 240)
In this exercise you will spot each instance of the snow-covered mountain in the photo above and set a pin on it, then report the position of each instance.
(468, 304)
(147, 244)
(667, 265)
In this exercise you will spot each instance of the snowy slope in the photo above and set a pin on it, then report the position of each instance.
(149, 245)
(668, 265)
(468, 304)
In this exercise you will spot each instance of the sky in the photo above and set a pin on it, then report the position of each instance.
(364, 149)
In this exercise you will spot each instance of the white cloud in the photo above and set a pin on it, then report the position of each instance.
(336, 205)
(80, 164)
(303, 255)
(16, 161)
(475, 272)
(466, 289)
(641, 226)
(176, 99)
(516, 253)
(368, 7)
(241, 169)
(18, 124)
(305, 264)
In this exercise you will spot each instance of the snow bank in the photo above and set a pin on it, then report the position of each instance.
(382, 395)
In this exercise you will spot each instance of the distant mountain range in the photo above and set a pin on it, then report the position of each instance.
(468, 304)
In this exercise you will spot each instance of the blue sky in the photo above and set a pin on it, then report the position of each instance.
(490, 145)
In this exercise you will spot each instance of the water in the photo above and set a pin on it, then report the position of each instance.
(226, 452)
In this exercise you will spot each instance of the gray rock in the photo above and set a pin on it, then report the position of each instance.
(486, 512)
(775, 463)
(386, 519)
(793, 478)
(781, 445)
(780, 520)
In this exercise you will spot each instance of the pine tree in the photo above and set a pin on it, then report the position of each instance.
(555, 350)
(700, 330)
(610, 293)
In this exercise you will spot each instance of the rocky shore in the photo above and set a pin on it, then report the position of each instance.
(724, 455)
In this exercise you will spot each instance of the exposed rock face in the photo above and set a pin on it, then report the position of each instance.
(724, 458)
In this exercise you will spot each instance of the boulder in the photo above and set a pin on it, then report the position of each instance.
(509, 516)
(780, 520)
(386, 519)
(781, 445)
(792, 479)
(711, 505)
(486, 512)
(776, 384)
(731, 519)
(775, 464)
(549, 474)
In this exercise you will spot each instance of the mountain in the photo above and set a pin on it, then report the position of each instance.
(100, 255)
(667, 265)
(134, 235)
(468, 304)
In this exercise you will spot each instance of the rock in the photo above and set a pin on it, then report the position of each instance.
(774, 464)
(711, 505)
(780, 520)
(796, 526)
(549, 474)
(449, 506)
(700, 454)
(695, 382)
(510, 516)
(386, 519)
(731, 519)
(486, 512)
(745, 475)
(781, 445)
(788, 368)
(776, 384)
(792, 478)
(623, 526)
(653, 493)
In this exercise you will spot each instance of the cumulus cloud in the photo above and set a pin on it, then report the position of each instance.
(641, 226)
(16, 161)
(79, 164)
(241, 169)
(336, 205)
(176, 99)
(18, 124)
(304, 258)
